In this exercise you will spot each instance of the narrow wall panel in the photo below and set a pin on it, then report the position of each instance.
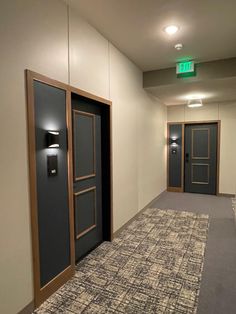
(52, 192)
(175, 156)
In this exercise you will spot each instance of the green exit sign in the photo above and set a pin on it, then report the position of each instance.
(185, 67)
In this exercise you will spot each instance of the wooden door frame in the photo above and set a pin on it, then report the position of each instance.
(181, 188)
(42, 293)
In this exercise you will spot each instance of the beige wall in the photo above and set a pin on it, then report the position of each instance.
(125, 80)
(34, 35)
(151, 148)
(226, 113)
(89, 66)
(139, 124)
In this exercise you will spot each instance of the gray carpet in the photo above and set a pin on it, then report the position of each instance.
(218, 287)
(153, 266)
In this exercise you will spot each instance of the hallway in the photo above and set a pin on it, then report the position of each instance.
(154, 264)
(118, 168)
(217, 293)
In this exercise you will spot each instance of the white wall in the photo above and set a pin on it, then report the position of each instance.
(89, 66)
(152, 139)
(226, 113)
(34, 35)
(125, 80)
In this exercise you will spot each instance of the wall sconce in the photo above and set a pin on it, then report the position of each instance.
(52, 139)
(173, 141)
(173, 145)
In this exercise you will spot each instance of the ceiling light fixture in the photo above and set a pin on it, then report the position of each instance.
(195, 103)
(179, 46)
(171, 29)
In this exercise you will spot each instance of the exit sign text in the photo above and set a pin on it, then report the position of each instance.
(185, 67)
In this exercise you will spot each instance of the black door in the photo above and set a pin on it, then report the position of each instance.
(87, 130)
(201, 158)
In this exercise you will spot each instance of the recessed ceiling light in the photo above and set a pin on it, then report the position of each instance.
(171, 29)
(195, 96)
(179, 46)
(195, 103)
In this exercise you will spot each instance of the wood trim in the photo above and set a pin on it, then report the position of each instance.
(33, 184)
(64, 86)
(42, 293)
(78, 236)
(89, 95)
(78, 112)
(95, 210)
(70, 176)
(111, 172)
(208, 147)
(84, 113)
(218, 122)
(85, 177)
(168, 154)
(46, 80)
(218, 156)
(54, 284)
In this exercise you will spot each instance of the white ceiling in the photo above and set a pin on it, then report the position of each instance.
(219, 90)
(207, 28)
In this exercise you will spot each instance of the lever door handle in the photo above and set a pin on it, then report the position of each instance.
(187, 157)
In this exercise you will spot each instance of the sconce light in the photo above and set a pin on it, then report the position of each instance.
(52, 138)
(173, 141)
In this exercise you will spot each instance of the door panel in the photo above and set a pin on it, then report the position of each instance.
(201, 158)
(52, 192)
(200, 143)
(85, 211)
(200, 173)
(84, 146)
(87, 176)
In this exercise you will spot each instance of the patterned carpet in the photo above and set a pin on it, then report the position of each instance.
(154, 266)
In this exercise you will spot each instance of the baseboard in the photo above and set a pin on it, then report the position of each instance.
(116, 233)
(226, 195)
(28, 309)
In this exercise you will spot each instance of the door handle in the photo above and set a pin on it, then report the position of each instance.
(187, 157)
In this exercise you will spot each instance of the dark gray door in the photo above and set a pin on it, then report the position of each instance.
(201, 158)
(87, 176)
